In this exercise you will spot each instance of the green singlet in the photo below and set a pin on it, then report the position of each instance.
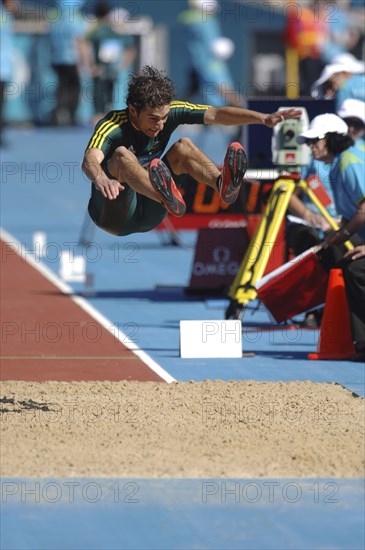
(132, 212)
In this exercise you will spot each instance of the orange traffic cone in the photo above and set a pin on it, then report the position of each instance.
(335, 339)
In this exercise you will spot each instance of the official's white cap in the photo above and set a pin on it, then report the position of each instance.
(352, 108)
(322, 125)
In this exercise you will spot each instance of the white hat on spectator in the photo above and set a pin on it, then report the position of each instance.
(329, 71)
(352, 108)
(354, 65)
(322, 125)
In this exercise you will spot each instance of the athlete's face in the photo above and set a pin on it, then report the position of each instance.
(150, 120)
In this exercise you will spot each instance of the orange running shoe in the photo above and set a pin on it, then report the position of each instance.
(234, 169)
(164, 185)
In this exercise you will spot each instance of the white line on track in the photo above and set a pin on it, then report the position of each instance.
(25, 254)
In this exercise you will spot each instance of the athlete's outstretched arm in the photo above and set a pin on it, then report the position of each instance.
(93, 171)
(234, 116)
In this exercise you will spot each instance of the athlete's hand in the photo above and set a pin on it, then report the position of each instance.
(280, 116)
(108, 188)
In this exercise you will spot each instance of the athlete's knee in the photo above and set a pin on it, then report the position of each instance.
(122, 154)
(182, 149)
(184, 145)
(121, 160)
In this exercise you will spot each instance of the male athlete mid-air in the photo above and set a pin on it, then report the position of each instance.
(132, 179)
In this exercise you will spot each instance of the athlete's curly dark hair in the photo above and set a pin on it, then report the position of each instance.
(150, 88)
(337, 143)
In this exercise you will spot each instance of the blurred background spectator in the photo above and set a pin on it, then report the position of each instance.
(210, 81)
(7, 9)
(352, 111)
(67, 30)
(109, 54)
(342, 80)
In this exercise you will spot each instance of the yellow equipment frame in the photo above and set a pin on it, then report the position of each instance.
(257, 255)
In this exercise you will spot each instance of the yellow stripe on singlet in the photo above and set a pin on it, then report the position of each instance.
(102, 127)
(192, 106)
(106, 128)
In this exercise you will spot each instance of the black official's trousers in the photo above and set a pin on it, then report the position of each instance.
(354, 276)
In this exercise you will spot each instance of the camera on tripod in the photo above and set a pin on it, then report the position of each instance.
(286, 152)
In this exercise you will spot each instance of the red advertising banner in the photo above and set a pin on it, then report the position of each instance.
(204, 207)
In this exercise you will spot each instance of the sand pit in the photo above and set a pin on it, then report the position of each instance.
(196, 429)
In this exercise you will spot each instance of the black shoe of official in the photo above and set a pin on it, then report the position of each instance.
(312, 319)
(358, 357)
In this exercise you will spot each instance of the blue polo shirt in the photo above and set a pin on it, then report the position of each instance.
(212, 72)
(67, 25)
(347, 178)
(6, 45)
(353, 88)
(321, 170)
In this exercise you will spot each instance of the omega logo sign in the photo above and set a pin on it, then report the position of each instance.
(218, 256)
(220, 264)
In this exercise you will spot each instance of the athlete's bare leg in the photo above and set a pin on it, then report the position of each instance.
(125, 168)
(185, 158)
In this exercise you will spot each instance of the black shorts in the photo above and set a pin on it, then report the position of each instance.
(129, 213)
